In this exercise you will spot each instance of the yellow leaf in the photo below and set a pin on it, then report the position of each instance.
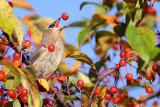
(23, 4)
(36, 97)
(112, 20)
(44, 83)
(7, 21)
(85, 78)
(80, 57)
(103, 91)
(36, 37)
(76, 65)
(17, 36)
(64, 69)
(27, 50)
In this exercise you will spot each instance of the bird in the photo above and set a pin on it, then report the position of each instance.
(43, 61)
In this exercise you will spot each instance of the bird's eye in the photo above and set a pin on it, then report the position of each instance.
(52, 25)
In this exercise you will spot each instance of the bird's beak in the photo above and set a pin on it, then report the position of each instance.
(57, 23)
(61, 28)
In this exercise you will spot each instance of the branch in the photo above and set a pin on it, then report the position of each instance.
(149, 96)
(99, 79)
(57, 97)
(69, 93)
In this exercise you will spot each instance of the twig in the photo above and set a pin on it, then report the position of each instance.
(57, 98)
(149, 96)
(99, 79)
(69, 92)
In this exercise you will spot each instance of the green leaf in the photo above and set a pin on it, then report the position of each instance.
(85, 3)
(82, 36)
(102, 33)
(120, 29)
(7, 21)
(119, 6)
(141, 39)
(17, 36)
(85, 78)
(77, 24)
(13, 103)
(94, 104)
(92, 75)
(73, 81)
(100, 10)
(80, 57)
(67, 99)
(155, 55)
(88, 31)
(70, 47)
(30, 100)
(36, 97)
(16, 71)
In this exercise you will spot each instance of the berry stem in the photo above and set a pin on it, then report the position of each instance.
(69, 92)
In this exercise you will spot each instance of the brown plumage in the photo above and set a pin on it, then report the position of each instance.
(43, 61)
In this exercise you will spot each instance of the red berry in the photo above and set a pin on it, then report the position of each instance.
(97, 91)
(122, 96)
(115, 47)
(3, 47)
(129, 76)
(107, 96)
(16, 55)
(154, 11)
(4, 79)
(149, 89)
(131, 0)
(24, 92)
(113, 90)
(2, 75)
(137, 58)
(11, 94)
(127, 50)
(61, 79)
(115, 0)
(137, 105)
(51, 48)
(27, 43)
(129, 82)
(29, 32)
(4, 101)
(128, 55)
(122, 63)
(154, 67)
(148, 75)
(4, 39)
(116, 100)
(24, 99)
(148, 9)
(122, 54)
(45, 101)
(139, 78)
(11, 4)
(1, 91)
(65, 16)
(80, 83)
(17, 63)
(117, 66)
(28, 18)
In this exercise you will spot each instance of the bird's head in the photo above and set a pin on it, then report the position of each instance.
(55, 25)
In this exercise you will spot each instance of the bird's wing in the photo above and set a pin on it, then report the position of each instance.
(35, 55)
